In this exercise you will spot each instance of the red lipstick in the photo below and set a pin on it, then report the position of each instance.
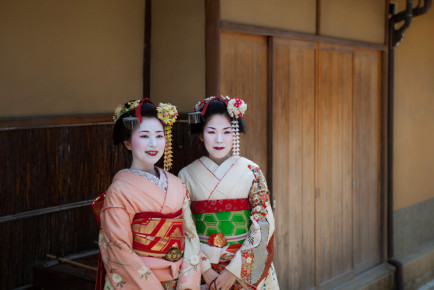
(152, 153)
(219, 148)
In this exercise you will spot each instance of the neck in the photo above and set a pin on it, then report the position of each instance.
(219, 161)
(146, 168)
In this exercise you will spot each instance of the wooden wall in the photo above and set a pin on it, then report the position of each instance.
(293, 162)
(50, 171)
(244, 61)
(325, 151)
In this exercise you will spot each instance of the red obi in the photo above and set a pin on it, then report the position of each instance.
(158, 235)
(154, 234)
(220, 205)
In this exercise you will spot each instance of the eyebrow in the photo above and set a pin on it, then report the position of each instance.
(223, 128)
(146, 131)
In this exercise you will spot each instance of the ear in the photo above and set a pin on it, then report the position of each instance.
(127, 144)
(201, 137)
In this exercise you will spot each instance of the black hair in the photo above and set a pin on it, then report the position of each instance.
(122, 133)
(216, 107)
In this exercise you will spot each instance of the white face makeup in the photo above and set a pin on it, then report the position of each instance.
(147, 144)
(217, 136)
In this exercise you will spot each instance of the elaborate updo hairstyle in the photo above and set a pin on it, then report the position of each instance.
(215, 107)
(120, 132)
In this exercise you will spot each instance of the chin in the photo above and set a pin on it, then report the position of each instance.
(220, 155)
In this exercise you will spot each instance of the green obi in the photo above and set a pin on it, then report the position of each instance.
(234, 225)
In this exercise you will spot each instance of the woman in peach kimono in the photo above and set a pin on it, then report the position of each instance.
(147, 239)
(230, 202)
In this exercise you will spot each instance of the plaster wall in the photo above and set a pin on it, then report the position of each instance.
(359, 20)
(178, 52)
(284, 14)
(69, 57)
(354, 19)
(414, 113)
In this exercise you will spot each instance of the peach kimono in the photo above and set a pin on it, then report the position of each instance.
(140, 223)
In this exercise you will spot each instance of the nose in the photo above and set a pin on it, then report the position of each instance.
(153, 142)
(219, 138)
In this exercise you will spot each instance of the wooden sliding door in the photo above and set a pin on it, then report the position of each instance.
(244, 75)
(325, 150)
(334, 193)
(293, 162)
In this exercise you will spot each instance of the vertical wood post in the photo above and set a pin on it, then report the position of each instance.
(147, 50)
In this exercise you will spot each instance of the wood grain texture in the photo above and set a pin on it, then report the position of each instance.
(367, 202)
(293, 161)
(53, 166)
(244, 75)
(334, 204)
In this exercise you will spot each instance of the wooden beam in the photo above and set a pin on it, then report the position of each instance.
(50, 122)
(253, 29)
(212, 47)
(318, 18)
(147, 50)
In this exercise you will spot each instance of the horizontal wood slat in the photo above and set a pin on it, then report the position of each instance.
(261, 30)
(50, 122)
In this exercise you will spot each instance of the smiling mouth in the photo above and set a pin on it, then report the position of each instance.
(152, 153)
(219, 148)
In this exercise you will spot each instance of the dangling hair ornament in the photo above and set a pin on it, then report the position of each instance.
(167, 113)
(236, 109)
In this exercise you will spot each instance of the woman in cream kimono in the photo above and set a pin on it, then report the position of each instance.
(230, 202)
(148, 238)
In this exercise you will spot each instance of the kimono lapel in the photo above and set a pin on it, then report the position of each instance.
(174, 197)
(144, 187)
(221, 174)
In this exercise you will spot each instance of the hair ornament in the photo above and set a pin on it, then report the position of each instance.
(124, 108)
(236, 108)
(167, 113)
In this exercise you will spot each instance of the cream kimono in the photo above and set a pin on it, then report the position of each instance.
(221, 193)
(130, 258)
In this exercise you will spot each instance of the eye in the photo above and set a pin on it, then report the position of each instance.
(160, 136)
(210, 132)
(228, 132)
(144, 136)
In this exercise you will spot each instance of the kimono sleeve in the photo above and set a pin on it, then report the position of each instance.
(124, 268)
(190, 272)
(253, 260)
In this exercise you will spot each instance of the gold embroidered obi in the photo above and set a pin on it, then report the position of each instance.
(158, 235)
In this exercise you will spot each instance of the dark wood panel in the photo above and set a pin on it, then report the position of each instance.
(293, 162)
(26, 242)
(54, 166)
(50, 166)
(244, 75)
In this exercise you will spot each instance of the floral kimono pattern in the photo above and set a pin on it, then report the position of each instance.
(234, 180)
(129, 196)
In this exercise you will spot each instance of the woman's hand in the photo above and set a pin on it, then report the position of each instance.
(225, 280)
(209, 276)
